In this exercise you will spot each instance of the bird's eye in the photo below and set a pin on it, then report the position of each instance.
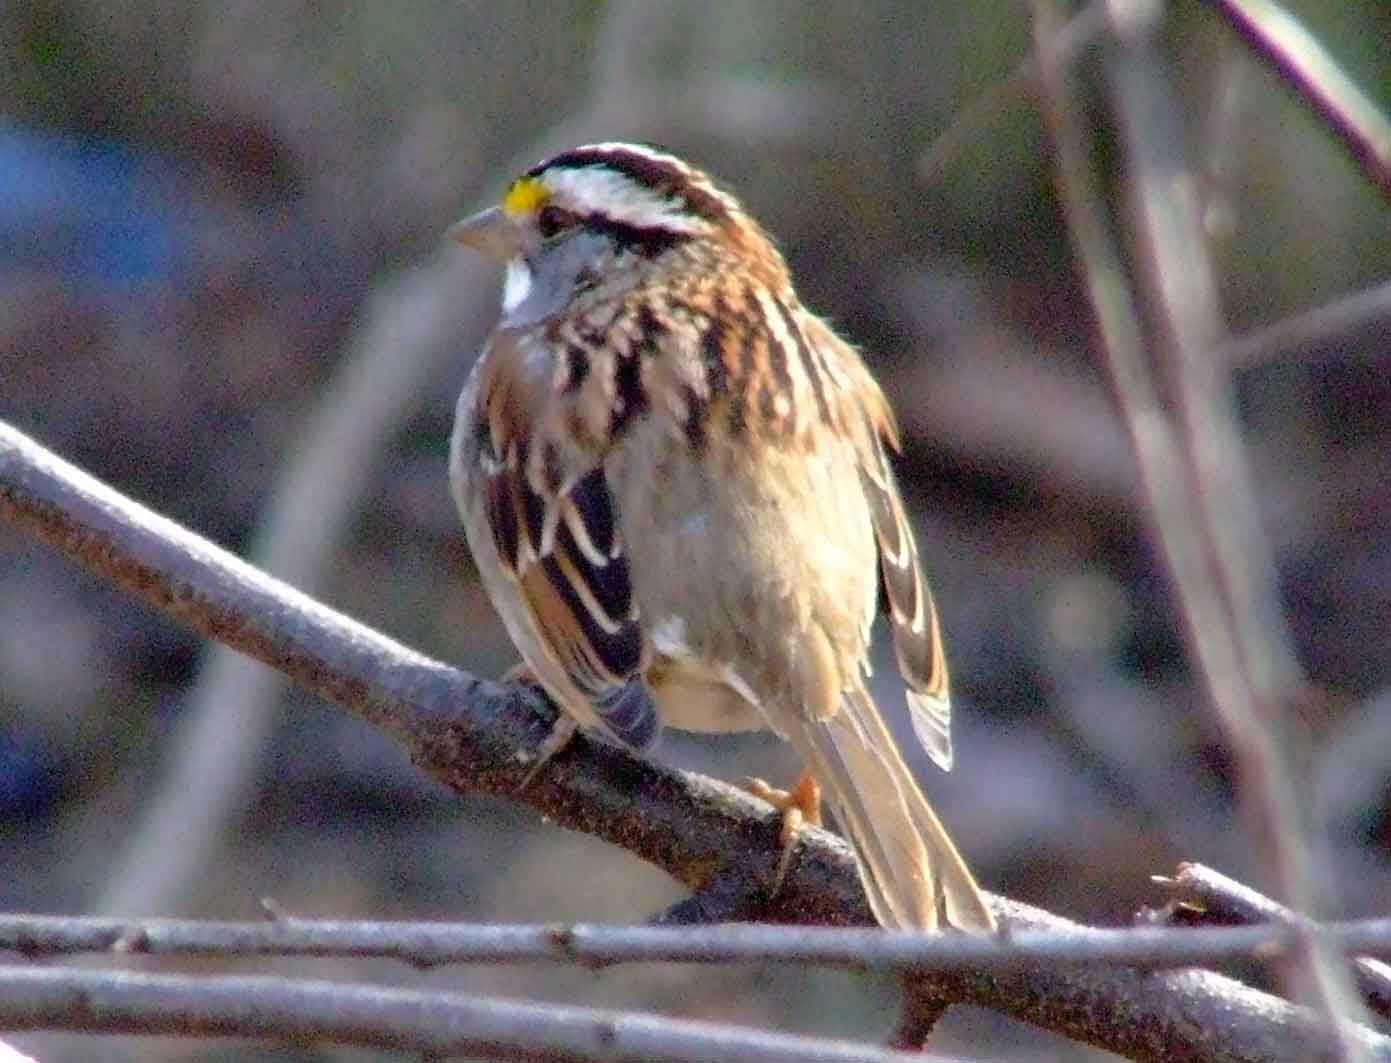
(553, 220)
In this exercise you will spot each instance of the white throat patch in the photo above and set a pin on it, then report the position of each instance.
(517, 285)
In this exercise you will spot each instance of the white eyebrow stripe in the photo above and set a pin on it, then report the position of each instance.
(597, 190)
(694, 176)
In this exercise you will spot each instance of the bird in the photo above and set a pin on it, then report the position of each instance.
(674, 480)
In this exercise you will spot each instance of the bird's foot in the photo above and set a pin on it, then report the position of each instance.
(561, 731)
(800, 805)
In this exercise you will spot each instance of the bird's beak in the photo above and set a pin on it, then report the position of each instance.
(489, 232)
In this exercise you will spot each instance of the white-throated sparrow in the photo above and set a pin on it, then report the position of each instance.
(673, 480)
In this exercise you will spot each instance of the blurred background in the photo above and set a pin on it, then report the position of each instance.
(222, 291)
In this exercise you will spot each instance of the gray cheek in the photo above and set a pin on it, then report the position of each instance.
(556, 273)
(543, 300)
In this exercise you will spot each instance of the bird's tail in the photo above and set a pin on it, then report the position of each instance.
(911, 870)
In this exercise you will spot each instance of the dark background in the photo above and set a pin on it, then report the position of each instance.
(216, 220)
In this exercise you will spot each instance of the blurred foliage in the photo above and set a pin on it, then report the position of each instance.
(196, 197)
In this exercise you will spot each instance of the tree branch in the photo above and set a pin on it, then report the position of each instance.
(1296, 55)
(596, 946)
(477, 735)
(1159, 306)
(1356, 325)
(1204, 897)
(401, 1019)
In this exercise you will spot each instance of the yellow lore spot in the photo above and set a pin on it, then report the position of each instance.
(525, 196)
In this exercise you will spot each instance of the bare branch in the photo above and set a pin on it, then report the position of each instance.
(410, 324)
(1237, 626)
(731, 895)
(1351, 325)
(1275, 35)
(473, 734)
(593, 945)
(476, 735)
(1202, 895)
(918, 1014)
(1221, 899)
(1193, 474)
(1186, 1014)
(400, 1019)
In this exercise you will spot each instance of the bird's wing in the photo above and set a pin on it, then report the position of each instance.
(554, 524)
(917, 637)
(912, 614)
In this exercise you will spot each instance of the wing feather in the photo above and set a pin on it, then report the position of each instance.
(917, 636)
(557, 538)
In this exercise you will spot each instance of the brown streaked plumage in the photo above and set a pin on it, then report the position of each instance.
(674, 480)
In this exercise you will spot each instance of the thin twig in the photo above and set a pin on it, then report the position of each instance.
(1207, 896)
(1236, 627)
(399, 1019)
(1275, 35)
(1351, 326)
(593, 945)
(1198, 496)
(475, 735)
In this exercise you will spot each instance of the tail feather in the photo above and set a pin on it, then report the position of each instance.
(912, 872)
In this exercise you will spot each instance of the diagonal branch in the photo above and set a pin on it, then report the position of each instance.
(477, 735)
(1298, 57)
